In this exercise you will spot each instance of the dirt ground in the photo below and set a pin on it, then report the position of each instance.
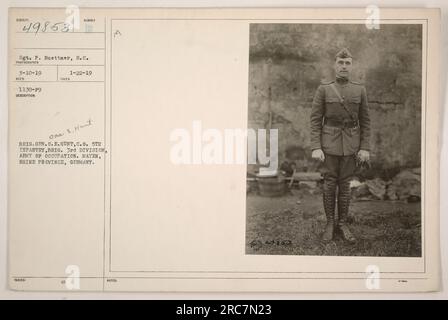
(293, 224)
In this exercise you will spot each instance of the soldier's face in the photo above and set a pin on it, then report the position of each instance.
(343, 67)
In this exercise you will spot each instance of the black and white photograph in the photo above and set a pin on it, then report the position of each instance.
(346, 103)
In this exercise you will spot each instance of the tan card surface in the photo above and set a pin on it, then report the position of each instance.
(129, 167)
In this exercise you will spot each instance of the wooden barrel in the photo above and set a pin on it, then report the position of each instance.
(272, 186)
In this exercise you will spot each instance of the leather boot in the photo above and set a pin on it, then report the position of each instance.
(329, 198)
(344, 195)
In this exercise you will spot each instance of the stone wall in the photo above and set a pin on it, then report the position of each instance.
(288, 62)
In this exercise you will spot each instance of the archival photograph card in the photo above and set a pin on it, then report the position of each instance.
(223, 150)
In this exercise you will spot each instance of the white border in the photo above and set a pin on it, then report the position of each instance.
(6, 294)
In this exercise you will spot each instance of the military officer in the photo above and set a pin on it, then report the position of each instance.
(340, 134)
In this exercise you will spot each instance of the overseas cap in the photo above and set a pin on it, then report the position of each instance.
(343, 53)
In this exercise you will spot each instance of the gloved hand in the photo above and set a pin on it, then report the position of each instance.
(318, 154)
(363, 156)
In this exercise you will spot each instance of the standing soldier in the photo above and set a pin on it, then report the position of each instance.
(340, 133)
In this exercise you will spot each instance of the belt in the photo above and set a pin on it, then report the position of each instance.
(341, 123)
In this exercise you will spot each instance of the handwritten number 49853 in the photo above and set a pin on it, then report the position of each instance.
(46, 26)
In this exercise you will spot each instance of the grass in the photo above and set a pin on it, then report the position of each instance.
(282, 226)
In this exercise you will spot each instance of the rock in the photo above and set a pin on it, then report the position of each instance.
(405, 185)
(360, 191)
(355, 184)
(410, 175)
(321, 218)
(370, 197)
(377, 187)
(392, 192)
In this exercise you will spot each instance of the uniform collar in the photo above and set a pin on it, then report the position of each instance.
(342, 81)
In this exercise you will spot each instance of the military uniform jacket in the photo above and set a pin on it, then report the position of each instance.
(340, 140)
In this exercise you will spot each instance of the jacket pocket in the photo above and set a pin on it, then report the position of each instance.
(354, 104)
(356, 99)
